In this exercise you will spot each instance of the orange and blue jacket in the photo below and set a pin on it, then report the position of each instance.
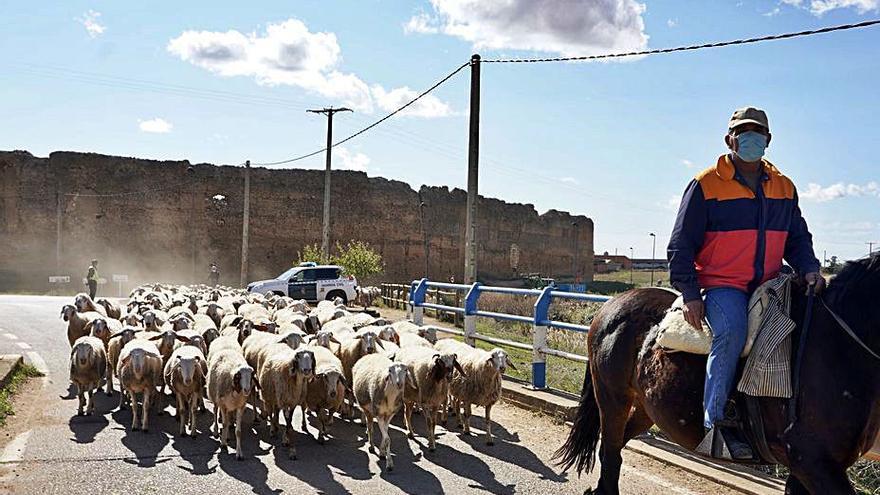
(726, 235)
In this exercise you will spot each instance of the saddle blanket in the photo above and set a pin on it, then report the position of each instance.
(767, 372)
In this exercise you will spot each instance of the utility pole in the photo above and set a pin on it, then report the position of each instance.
(245, 219)
(653, 255)
(871, 247)
(470, 242)
(325, 236)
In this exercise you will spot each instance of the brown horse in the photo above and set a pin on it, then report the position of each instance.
(631, 384)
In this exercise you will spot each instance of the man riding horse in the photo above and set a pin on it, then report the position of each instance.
(737, 221)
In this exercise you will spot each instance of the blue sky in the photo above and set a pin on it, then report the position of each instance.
(616, 141)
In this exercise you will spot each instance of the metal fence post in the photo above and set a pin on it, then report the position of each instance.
(416, 299)
(470, 318)
(539, 339)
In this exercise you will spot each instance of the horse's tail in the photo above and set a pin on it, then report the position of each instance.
(580, 448)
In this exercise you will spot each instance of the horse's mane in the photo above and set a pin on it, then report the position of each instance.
(857, 283)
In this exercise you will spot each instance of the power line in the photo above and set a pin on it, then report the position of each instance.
(718, 44)
(374, 124)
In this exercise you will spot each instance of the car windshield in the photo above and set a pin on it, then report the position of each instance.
(289, 273)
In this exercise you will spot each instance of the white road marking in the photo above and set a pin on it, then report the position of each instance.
(10, 336)
(24, 345)
(15, 449)
(38, 362)
(657, 480)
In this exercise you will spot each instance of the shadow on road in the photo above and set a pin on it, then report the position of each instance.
(145, 446)
(86, 428)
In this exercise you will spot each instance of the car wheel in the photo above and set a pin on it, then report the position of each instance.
(279, 293)
(337, 293)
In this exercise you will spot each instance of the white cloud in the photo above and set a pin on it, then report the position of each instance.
(156, 126)
(90, 21)
(570, 180)
(427, 106)
(421, 23)
(289, 54)
(671, 22)
(566, 27)
(820, 7)
(819, 194)
(672, 203)
(350, 161)
(688, 164)
(771, 13)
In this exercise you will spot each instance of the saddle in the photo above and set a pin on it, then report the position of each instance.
(765, 371)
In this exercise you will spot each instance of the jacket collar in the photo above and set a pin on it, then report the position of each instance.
(725, 169)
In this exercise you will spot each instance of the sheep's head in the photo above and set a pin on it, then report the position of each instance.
(389, 334)
(83, 302)
(323, 339)
(189, 366)
(444, 364)
(83, 354)
(209, 336)
(132, 319)
(281, 303)
(368, 341)
(101, 329)
(333, 380)
(397, 376)
(166, 341)
(292, 339)
(304, 363)
(500, 360)
(265, 325)
(313, 324)
(428, 333)
(198, 342)
(125, 335)
(245, 329)
(68, 311)
(137, 359)
(243, 380)
(180, 322)
(156, 303)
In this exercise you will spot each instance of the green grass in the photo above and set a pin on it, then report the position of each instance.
(616, 282)
(19, 378)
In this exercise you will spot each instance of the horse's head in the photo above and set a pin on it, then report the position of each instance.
(854, 294)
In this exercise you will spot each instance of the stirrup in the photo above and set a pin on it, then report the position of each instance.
(714, 446)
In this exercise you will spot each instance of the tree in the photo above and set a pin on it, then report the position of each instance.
(358, 259)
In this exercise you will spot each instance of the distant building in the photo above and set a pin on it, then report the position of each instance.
(648, 263)
(607, 263)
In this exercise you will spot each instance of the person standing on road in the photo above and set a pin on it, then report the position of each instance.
(737, 221)
(92, 279)
(214, 275)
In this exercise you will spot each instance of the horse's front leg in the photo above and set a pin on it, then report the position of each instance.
(814, 478)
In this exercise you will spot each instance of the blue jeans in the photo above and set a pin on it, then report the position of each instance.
(727, 312)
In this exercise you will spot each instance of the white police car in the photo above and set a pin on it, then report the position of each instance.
(311, 282)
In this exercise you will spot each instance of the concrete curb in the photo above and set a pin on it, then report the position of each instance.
(9, 363)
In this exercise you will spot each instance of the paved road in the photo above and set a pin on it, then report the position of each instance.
(47, 449)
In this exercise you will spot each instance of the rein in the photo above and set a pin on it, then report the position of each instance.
(849, 331)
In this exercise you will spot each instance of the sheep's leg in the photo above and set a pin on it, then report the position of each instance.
(489, 440)
(385, 448)
(224, 416)
(181, 415)
(288, 432)
(134, 412)
(191, 407)
(407, 418)
(273, 421)
(430, 418)
(322, 423)
(146, 418)
(81, 398)
(305, 427)
(90, 408)
(109, 388)
(239, 415)
(368, 420)
(216, 430)
(467, 418)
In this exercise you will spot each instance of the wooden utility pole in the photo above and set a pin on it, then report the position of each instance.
(244, 223)
(325, 236)
(470, 242)
(870, 247)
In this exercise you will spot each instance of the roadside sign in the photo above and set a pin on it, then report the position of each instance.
(59, 279)
(120, 278)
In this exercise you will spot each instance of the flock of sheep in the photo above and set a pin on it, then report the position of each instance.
(273, 354)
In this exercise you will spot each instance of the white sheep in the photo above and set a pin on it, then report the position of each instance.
(111, 308)
(88, 362)
(353, 349)
(76, 322)
(85, 303)
(480, 384)
(432, 371)
(103, 328)
(284, 378)
(114, 349)
(140, 371)
(378, 387)
(406, 326)
(230, 383)
(326, 392)
(413, 340)
(186, 373)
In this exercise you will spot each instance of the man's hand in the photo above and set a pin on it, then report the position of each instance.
(815, 279)
(693, 313)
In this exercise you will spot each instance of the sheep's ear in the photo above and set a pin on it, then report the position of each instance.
(203, 365)
(358, 336)
(410, 376)
(333, 339)
(117, 334)
(256, 383)
(379, 343)
(182, 338)
(157, 337)
(458, 366)
(510, 363)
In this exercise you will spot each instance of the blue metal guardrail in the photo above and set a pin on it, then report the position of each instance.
(539, 319)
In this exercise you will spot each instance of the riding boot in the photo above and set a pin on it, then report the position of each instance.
(724, 442)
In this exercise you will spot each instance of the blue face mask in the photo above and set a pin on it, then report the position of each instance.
(751, 146)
